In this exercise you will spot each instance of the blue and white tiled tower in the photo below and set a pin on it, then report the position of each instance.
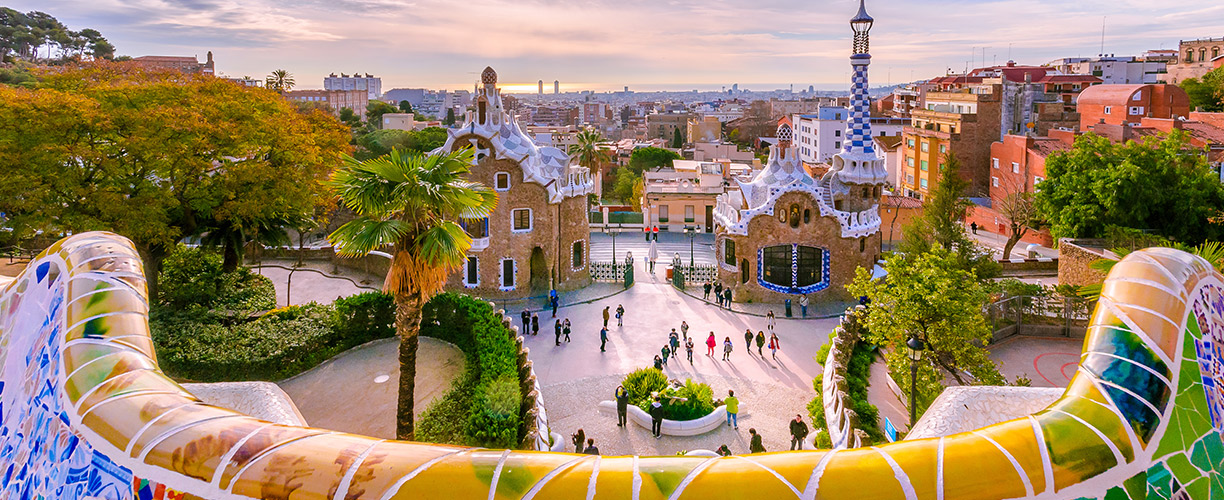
(859, 169)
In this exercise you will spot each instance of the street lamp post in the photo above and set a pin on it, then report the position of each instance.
(691, 231)
(916, 347)
(613, 234)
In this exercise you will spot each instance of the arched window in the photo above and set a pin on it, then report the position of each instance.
(579, 257)
(744, 271)
(729, 252)
(1215, 52)
(866, 192)
(794, 216)
(1203, 54)
(791, 268)
(807, 215)
(1190, 55)
(862, 244)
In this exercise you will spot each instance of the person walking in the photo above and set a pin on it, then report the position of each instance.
(727, 349)
(656, 418)
(799, 431)
(535, 324)
(718, 293)
(688, 348)
(666, 351)
(710, 343)
(591, 449)
(606, 315)
(760, 342)
(732, 404)
(727, 297)
(526, 317)
(684, 329)
(565, 329)
(557, 330)
(755, 445)
(603, 338)
(973, 226)
(658, 362)
(803, 302)
(554, 301)
(622, 406)
(774, 344)
(673, 338)
(706, 287)
(771, 320)
(578, 439)
(647, 231)
(748, 336)
(620, 315)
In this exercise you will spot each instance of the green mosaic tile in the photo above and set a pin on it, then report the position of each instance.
(1192, 327)
(1182, 469)
(1200, 489)
(1214, 445)
(1198, 456)
(1116, 494)
(1136, 487)
(1217, 486)
(1158, 479)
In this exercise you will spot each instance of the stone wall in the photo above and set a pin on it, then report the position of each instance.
(822, 232)
(535, 418)
(842, 420)
(1074, 257)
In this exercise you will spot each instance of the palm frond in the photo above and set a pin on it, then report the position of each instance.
(363, 235)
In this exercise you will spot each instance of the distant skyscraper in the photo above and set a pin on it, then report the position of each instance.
(735, 88)
(556, 86)
(541, 87)
(811, 89)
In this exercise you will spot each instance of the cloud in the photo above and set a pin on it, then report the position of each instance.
(637, 42)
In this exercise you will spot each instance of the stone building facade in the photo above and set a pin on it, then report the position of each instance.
(787, 234)
(1195, 59)
(537, 238)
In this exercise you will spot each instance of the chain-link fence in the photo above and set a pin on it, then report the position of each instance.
(1049, 316)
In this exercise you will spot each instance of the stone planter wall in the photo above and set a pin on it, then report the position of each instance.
(673, 427)
(841, 419)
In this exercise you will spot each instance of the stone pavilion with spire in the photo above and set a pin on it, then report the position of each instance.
(537, 238)
(786, 233)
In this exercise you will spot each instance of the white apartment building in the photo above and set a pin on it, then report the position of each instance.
(1114, 69)
(368, 82)
(821, 135)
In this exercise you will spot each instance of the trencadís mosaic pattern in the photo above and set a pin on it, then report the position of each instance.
(86, 413)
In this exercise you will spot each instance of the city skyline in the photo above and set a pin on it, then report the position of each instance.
(684, 45)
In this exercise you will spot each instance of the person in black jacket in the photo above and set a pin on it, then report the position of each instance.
(706, 288)
(622, 406)
(591, 449)
(755, 445)
(526, 317)
(535, 324)
(557, 330)
(799, 431)
(578, 438)
(656, 418)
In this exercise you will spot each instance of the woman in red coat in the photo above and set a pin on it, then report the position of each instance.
(710, 343)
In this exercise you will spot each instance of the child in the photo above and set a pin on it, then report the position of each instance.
(688, 346)
(684, 329)
(727, 349)
(620, 315)
(666, 352)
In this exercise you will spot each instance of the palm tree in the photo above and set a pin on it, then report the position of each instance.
(588, 153)
(411, 203)
(280, 81)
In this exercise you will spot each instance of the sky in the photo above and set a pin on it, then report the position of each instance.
(604, 45)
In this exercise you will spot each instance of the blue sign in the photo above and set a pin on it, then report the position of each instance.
(890, 431)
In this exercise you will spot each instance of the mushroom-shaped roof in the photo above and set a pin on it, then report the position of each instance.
(488, 76)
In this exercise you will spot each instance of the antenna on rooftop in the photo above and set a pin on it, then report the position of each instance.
(1103, 18)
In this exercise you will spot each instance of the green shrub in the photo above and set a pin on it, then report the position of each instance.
(699, 401)
(641, 383)
(823, 441)
(445, 419)
(494, 413)
(858, 371)
(366, 316)
(192, 279)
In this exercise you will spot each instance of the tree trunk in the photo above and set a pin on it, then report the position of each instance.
(152, 257)
(408, 327)
(1007, 248)
(230, 256)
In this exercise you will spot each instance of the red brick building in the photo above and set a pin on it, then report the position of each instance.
(1128, 104)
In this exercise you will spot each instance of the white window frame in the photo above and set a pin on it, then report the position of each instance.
(586, 254)
(994, 162)
(1109, 110)
(530, 220)
(994, 181)
(1015, 167)
(466, 263)
(1136, 110)
(497, 180)
(501, 275)
(1138, 96)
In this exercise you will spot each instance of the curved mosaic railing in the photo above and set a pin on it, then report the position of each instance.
(87, 413)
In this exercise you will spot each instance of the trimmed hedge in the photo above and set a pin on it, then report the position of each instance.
(191, 279)
(486, 407)
(699, 397)
(207, 347)
(857, 372)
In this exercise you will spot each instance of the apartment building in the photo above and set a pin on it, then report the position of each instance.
(963, 123)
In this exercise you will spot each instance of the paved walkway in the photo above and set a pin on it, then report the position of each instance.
(1047, 361)
(315, 281)
(358, 391)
